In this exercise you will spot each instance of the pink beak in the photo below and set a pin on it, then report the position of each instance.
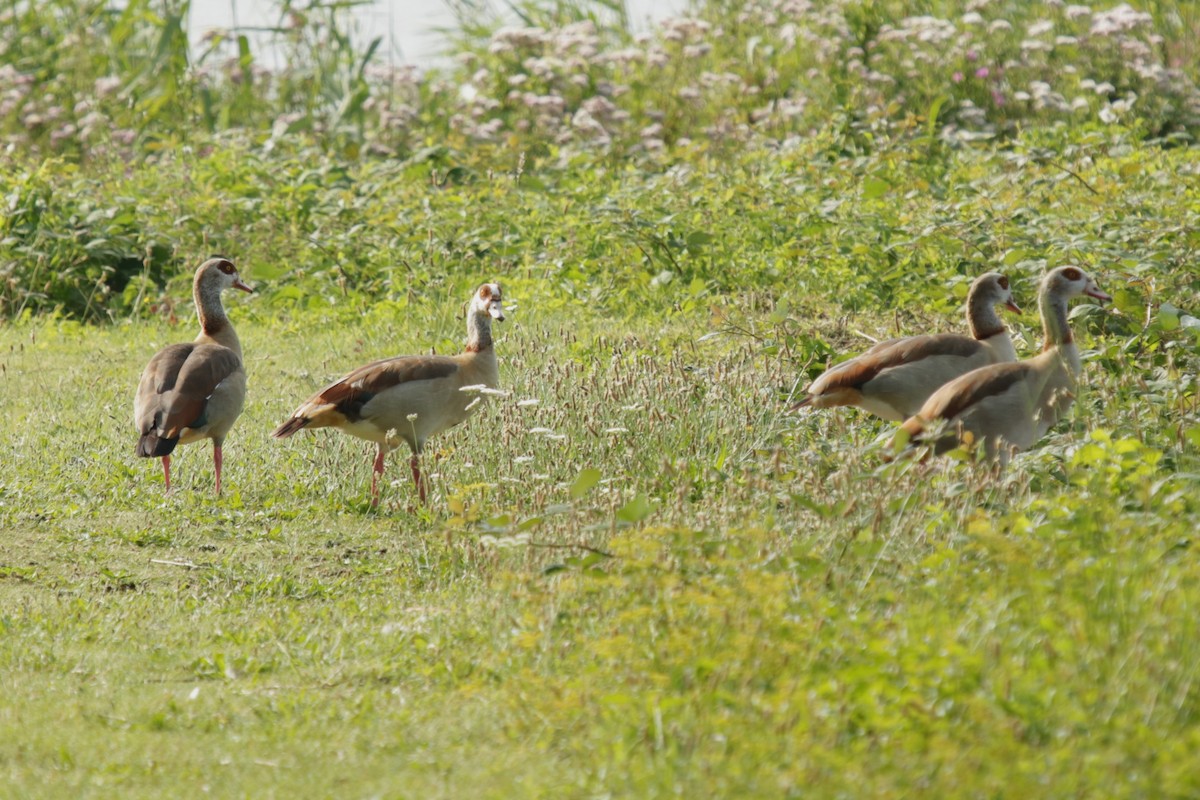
(237, 284)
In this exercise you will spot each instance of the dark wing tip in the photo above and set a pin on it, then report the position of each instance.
(151, 446)
(288, 428)
(805, 402)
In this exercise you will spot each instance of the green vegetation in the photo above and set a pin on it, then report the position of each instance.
(637, 575)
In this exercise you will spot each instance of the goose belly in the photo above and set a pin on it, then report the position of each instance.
(1004, 420)
(418, 411)
(221, 410)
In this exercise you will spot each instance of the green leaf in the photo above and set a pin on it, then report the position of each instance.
(529, 524)
(719, 463)
(875, 187)
(931, 116)
(1013, 256)
(1129, 169)
(1090, 453)
(781, 311)
(1168, 317)
(1128, 302)
(583, 484)
(1193, 436)
(635, 510)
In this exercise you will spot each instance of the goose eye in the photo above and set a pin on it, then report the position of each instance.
(1003, 282)
(1072, 274)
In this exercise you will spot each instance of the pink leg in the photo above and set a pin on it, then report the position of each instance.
(415, 463)
(167, 472)
(378, 472)
(217, 459)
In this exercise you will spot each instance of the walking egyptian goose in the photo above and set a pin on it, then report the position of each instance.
(894, 378)
(1011, 406)
(409, 398)
(196, 390)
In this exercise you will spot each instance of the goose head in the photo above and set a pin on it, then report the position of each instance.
(1067, 282)
(218, 274)
(488, 302)
(994, 290)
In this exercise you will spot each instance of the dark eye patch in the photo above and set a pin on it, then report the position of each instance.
(225, 265)
(1003, 282)
(1072, 274)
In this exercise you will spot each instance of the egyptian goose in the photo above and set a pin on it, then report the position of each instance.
(894, 378)
(196, 390)
(409, 398)
(1011, 406)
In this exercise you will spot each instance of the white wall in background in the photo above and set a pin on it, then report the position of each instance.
(409, 27)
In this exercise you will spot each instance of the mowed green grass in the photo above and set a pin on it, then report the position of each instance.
(745, 602)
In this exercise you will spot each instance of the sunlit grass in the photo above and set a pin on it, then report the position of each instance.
(788, 611)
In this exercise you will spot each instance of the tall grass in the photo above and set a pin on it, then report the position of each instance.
(635, 576)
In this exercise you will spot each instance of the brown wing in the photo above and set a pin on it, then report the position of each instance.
(175, 386)
(344, 398)
(963, 392)
(853, 374)
(885, 344)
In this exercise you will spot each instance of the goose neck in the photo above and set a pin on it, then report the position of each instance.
(479, 333)
(214, 324)
(1054, 320)
(982, 318)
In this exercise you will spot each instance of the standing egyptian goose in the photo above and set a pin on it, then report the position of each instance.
(196, 390)
(1011, 406)
(409, 398)
(894, 378)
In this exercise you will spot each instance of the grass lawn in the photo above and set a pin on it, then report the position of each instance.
(650, 581)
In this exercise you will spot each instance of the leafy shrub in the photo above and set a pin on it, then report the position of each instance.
(64, 248)
(748, 148)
